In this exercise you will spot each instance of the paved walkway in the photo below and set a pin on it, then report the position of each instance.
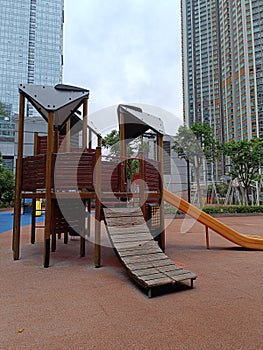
(72, 305)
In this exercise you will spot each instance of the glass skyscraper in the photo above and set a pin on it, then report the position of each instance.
(31, 46)
(31, 52)
(222, 51)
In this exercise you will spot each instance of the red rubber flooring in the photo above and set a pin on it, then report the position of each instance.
(72, 305)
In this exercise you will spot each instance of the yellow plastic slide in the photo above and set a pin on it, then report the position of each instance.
(250, 242)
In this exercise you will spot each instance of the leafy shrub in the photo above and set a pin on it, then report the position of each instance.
(6, 186)
(235, 209)
(226, 209)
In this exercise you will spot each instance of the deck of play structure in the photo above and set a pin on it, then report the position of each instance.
(70, 175)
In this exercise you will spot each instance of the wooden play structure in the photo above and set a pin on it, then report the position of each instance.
(73, 176)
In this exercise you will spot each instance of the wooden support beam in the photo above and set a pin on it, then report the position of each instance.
(161, 239)
(19, 174)
(54, 241)
(36, 145)
(123, 152)
(90, 139)
(142, 186)
(49, 175)
(65, 237)
(33, 221)
(83, 231)
(33, 213)
(82, 246)
(99, 141)
(56, 140)
(88, 210)
(85, 123)
(97, 248)
(68, 136)
(207, 238)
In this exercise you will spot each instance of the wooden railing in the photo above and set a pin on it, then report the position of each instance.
(110, 179)
(152, 174)
(75, 171)
(34, 173)
(42, 144)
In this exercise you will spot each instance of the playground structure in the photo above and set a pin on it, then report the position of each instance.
(71, 177)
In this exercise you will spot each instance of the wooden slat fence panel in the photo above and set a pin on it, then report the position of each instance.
(34, 173)
(152, 174)
(110, 176)
(74, 171)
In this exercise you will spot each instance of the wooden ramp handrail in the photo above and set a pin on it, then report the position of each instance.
(133, 243)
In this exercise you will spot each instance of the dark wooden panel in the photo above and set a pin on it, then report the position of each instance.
(34, 173)
(74, 171)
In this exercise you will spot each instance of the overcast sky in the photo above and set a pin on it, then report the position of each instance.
(125, 51)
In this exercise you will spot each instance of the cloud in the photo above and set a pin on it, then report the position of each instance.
(125, 50)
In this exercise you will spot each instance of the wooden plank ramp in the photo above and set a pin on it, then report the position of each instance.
(139, 252)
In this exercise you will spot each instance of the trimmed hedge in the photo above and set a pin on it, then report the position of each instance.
(228, 209)
(235, 209)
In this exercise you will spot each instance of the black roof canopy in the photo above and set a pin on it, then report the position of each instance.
(61, 99)
(137, 122)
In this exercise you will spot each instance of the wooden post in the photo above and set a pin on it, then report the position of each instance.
(83, 232)
(97, 251)
(54, 204)
(142, 186)
(99, 140)
(88, 210)
(85, 123)
(55, 148)
(33, 213)
(68, 136)
(207, 238)
(84, 146)
(19, 175)
(33, 221)
(49, 174)
(122, 152)
(56, 140)
(36, 146)
(161, 239)
(82, 240)
(90, 139)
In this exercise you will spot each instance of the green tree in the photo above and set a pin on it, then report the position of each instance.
(6, 185)
(3, 112)
(112, 142)
(246, 158)
(197, 145)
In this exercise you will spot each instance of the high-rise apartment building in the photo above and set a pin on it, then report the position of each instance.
(222, 51)
(31, 52)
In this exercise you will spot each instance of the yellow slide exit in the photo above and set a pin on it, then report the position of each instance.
(250, 242)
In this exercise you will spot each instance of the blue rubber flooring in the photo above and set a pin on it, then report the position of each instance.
(6, 220)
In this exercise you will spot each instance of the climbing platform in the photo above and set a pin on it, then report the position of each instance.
(134, 244)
